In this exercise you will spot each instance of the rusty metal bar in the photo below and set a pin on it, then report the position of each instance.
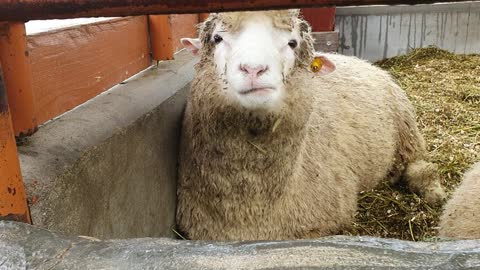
(13, 203)
(14, 10)
(17, 77)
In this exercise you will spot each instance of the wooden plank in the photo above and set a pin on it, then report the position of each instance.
(70, 66)
(13, 204)
(56, 9)
(17, 76)
(326, 41)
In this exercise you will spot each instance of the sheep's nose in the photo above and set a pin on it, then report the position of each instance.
(255, 71)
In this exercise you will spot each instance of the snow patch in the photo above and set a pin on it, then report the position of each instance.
(40, 26)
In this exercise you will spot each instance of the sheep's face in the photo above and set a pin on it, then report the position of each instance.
(254, 54)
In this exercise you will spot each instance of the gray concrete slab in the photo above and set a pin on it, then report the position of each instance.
(43, 249)
(108, 168)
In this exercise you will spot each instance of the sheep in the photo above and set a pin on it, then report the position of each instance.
(461, 215)
(272, 150)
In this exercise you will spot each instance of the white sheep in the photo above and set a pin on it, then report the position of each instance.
(461, 216)
(272, 150)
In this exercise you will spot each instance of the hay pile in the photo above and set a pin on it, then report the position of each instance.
(445, 90)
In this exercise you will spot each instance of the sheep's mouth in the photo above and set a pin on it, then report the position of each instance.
(257, 91)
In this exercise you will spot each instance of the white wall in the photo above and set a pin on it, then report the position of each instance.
(377, 32)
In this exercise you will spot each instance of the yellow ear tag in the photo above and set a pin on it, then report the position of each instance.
(316, 64)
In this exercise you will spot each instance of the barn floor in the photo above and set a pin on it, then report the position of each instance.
(445, 90)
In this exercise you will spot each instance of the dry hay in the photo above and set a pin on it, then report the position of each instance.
(445, 90)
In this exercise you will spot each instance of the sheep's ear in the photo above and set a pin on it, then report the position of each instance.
(192, 44)
(321, 65)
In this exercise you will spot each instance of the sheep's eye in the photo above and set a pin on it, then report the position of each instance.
(293, 43)
(217, 38)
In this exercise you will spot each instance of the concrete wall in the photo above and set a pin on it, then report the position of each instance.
(378, 32)
(108, 168)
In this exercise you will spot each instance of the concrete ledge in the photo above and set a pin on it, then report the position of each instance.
(108, 168)
(24, 245)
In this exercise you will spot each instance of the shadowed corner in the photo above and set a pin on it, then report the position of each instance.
(3, 93)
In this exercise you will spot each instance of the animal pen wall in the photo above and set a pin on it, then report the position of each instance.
(380, 32)
(67, 164)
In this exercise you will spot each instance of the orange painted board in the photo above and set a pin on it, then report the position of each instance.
(13, 204)
(70, 66)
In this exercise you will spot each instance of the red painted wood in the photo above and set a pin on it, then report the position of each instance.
(321, 19)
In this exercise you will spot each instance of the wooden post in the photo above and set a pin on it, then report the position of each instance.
(160, 37)
(17, 77)
(321, 19)
(13, 203)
